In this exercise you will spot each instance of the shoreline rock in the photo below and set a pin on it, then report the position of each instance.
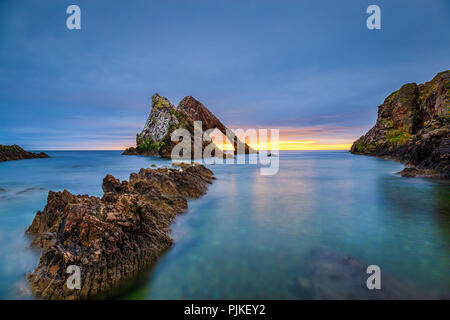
(113, 237)
(14, 152)
(413, 126)
(411, 172)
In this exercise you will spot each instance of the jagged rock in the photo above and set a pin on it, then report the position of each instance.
(411, 172)
(15, 152)
(198, 112)
(162, 118)
(131, 151)
(113, 237)
(155, 138)
(413, 127)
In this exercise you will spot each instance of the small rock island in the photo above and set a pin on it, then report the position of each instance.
(413, 127)
(113, 237)
(15, 152)
(164, 118)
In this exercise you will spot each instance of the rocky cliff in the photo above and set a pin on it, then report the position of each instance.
(15, 152)
(413, 127)
(164, 118)
(113, 237)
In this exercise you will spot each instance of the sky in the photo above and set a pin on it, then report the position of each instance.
(309, 68)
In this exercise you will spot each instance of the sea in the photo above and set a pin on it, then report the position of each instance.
(309, 231)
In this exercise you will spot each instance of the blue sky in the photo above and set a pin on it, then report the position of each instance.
(311, 68)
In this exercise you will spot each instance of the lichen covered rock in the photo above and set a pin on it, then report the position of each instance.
(113, 237)
(156, 137)
(413, 127)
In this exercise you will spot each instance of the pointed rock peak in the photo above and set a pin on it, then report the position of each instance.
(189, 100)
(198, 112)
(159, 102)
(191, 105)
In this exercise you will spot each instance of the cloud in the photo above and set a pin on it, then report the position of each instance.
(319, 75)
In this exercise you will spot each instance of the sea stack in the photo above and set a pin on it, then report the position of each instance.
(15, 152)
(155, 138)
(413, 127)
(110, 238)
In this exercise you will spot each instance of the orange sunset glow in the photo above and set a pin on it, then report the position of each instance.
(282, 145)
(293, 145)
(303, 138)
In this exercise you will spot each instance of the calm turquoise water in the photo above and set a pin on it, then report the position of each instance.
(254, 236)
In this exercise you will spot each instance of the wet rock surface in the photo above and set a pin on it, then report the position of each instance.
(113, 237)
(15, 152)
(413, 126)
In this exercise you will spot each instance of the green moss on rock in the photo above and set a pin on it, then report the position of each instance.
(398, 136)
(408, 93)
(387, 123)
(14, 147)
(148, 145)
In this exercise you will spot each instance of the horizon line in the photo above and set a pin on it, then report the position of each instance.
(51, 150)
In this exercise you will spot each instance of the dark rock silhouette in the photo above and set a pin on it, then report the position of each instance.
(15, 152)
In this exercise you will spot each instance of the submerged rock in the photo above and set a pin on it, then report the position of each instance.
(29, 189)
(331, 275)
(165, 118)
(413, 126)
(410, 172)
(113, 237)
(15, 152)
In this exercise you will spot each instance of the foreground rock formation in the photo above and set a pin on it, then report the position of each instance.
(155, 138)
(15, 152)
(413, 127)
(113, 237)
